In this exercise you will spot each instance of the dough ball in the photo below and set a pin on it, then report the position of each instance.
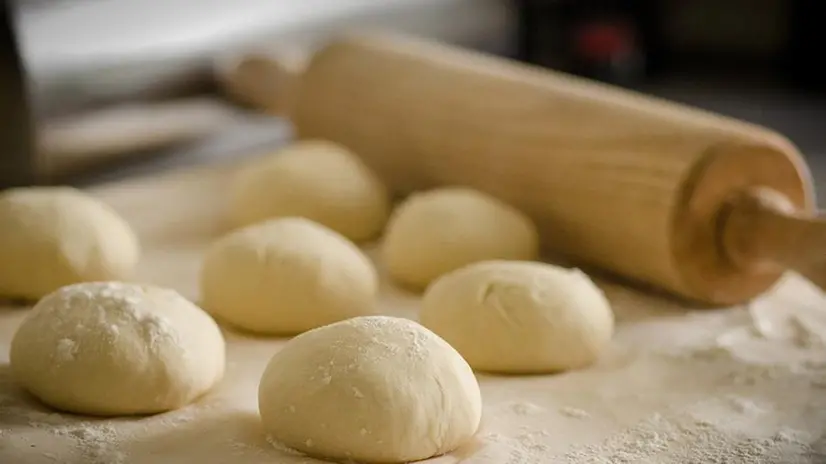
(317, 180)
(520, 317)
(110, 348)
(56, 236)
(370, 389)
(435, 232)
(285, 276)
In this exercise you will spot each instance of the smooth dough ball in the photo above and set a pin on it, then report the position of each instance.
(318, 180)
(370, 389)
(111, 348)
(437, 231)
(285, 276)
(56, 236)
(520, 317)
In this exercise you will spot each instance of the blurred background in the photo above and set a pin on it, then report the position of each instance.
(115, 88)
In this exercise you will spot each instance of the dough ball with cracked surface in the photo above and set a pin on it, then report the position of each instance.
(437, 231)
(520, 317)
(286, 276)
(370, 389)
(110, 348)
(315, 179)
(56, 236)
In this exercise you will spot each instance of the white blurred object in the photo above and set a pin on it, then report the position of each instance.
(78, 51)
(70, 145)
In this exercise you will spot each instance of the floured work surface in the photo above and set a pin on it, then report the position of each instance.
(741, 385)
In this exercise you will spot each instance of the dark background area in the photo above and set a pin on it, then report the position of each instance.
(758, 60)
(627, 42)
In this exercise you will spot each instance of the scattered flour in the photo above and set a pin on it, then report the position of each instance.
(525, 408)
(282, 448)
(681, 437)
(91, 441)
(745, 405)
(573, 412)
(500, 449)
(97, 442)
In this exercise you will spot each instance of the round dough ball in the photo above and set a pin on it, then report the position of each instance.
(370, 389)
(286, 276)
(56, 236)
(111, 348)
(317, 180)
(520, 317)
(438, 231)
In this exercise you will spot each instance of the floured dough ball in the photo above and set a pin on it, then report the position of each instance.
(435, 232)
(56, 236)
(520, 317)
(318, 180)
(109, 348)
(370, 389)
(285, 276)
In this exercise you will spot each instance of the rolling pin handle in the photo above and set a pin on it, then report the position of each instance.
(265, 81)
(762, 229)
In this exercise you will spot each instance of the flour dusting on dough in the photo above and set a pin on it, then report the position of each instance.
(66, 349)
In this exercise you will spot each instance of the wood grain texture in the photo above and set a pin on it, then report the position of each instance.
(764, 230)
(614, 179)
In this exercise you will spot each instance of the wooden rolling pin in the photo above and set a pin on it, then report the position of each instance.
(708, 207)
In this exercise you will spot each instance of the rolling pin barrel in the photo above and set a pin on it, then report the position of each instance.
(614, 179)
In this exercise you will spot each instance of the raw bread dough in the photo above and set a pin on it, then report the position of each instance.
(56, 236)
(370, 389)
(111, 348)
(437, 231)
(315, 179)
(285, 276)
(520, 317)
(677, 384)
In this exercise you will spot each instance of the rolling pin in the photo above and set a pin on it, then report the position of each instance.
(707, 207)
